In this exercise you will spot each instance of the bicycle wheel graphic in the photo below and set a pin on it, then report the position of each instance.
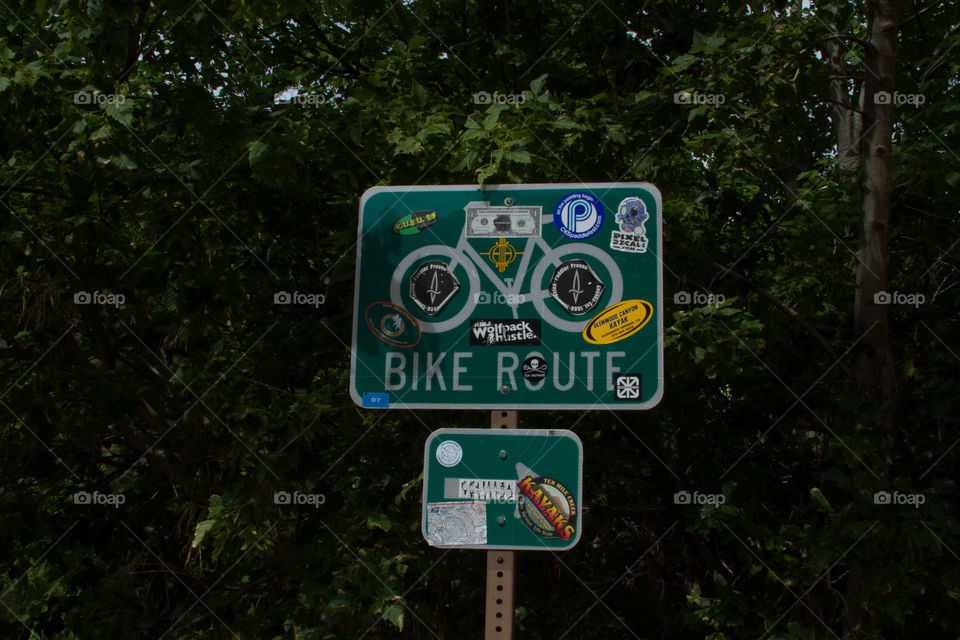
(467, 298)
(609, 275)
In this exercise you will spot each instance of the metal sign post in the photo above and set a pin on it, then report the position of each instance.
(534, 296)
(501, 567)
(501, 580)
(502, 490)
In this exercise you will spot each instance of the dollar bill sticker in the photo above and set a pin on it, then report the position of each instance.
(456, 524)
(485, 221)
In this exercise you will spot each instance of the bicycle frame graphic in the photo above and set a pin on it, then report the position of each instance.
(465, 256)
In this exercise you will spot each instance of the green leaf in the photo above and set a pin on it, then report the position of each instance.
(820, 499)
(103, 132)
(122, 161)
(257, 151)
(203, 528)
(379, 521)
(493, 114)
(417, 41)
(120, 110)
(486, 171)
(537, 84)
(617, 134)
(394, 615)
(408, 145)
(566, 123)
(523, 157)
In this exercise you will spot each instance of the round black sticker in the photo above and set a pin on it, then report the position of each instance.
(432, 285)
(534, 369)
(575, 286)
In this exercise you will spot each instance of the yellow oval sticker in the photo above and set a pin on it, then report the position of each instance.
(617, 322)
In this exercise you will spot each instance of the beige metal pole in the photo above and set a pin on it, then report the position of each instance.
(501, 579)
(501, 574)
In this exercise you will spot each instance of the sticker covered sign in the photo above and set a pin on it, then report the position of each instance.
(532, 296)
(503, 489)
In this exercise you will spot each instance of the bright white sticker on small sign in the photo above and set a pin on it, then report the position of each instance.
(479, 489)
(455, 524)
(449, 453)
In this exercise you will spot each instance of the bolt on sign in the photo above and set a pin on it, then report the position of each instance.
(517, 489)
(532, 296)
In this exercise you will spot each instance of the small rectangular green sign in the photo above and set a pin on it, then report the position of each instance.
(519, 489)
(532, 296)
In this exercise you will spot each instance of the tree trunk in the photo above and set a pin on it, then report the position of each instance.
(874, 374)
(844, 114)
(874, 363)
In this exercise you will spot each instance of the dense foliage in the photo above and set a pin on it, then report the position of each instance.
(145, 155)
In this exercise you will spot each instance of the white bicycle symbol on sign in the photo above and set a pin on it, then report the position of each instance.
(464, 255)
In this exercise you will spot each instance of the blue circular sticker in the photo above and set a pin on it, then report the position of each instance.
(579, 215)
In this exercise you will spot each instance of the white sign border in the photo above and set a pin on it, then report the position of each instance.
(447, 432)
(357, 396)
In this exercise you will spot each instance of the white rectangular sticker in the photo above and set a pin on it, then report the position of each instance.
(455, 524)
(487, 490)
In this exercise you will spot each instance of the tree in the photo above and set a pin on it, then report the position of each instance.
(146, 155)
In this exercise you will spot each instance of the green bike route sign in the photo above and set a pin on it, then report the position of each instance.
(517, 489)
(528, 296)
